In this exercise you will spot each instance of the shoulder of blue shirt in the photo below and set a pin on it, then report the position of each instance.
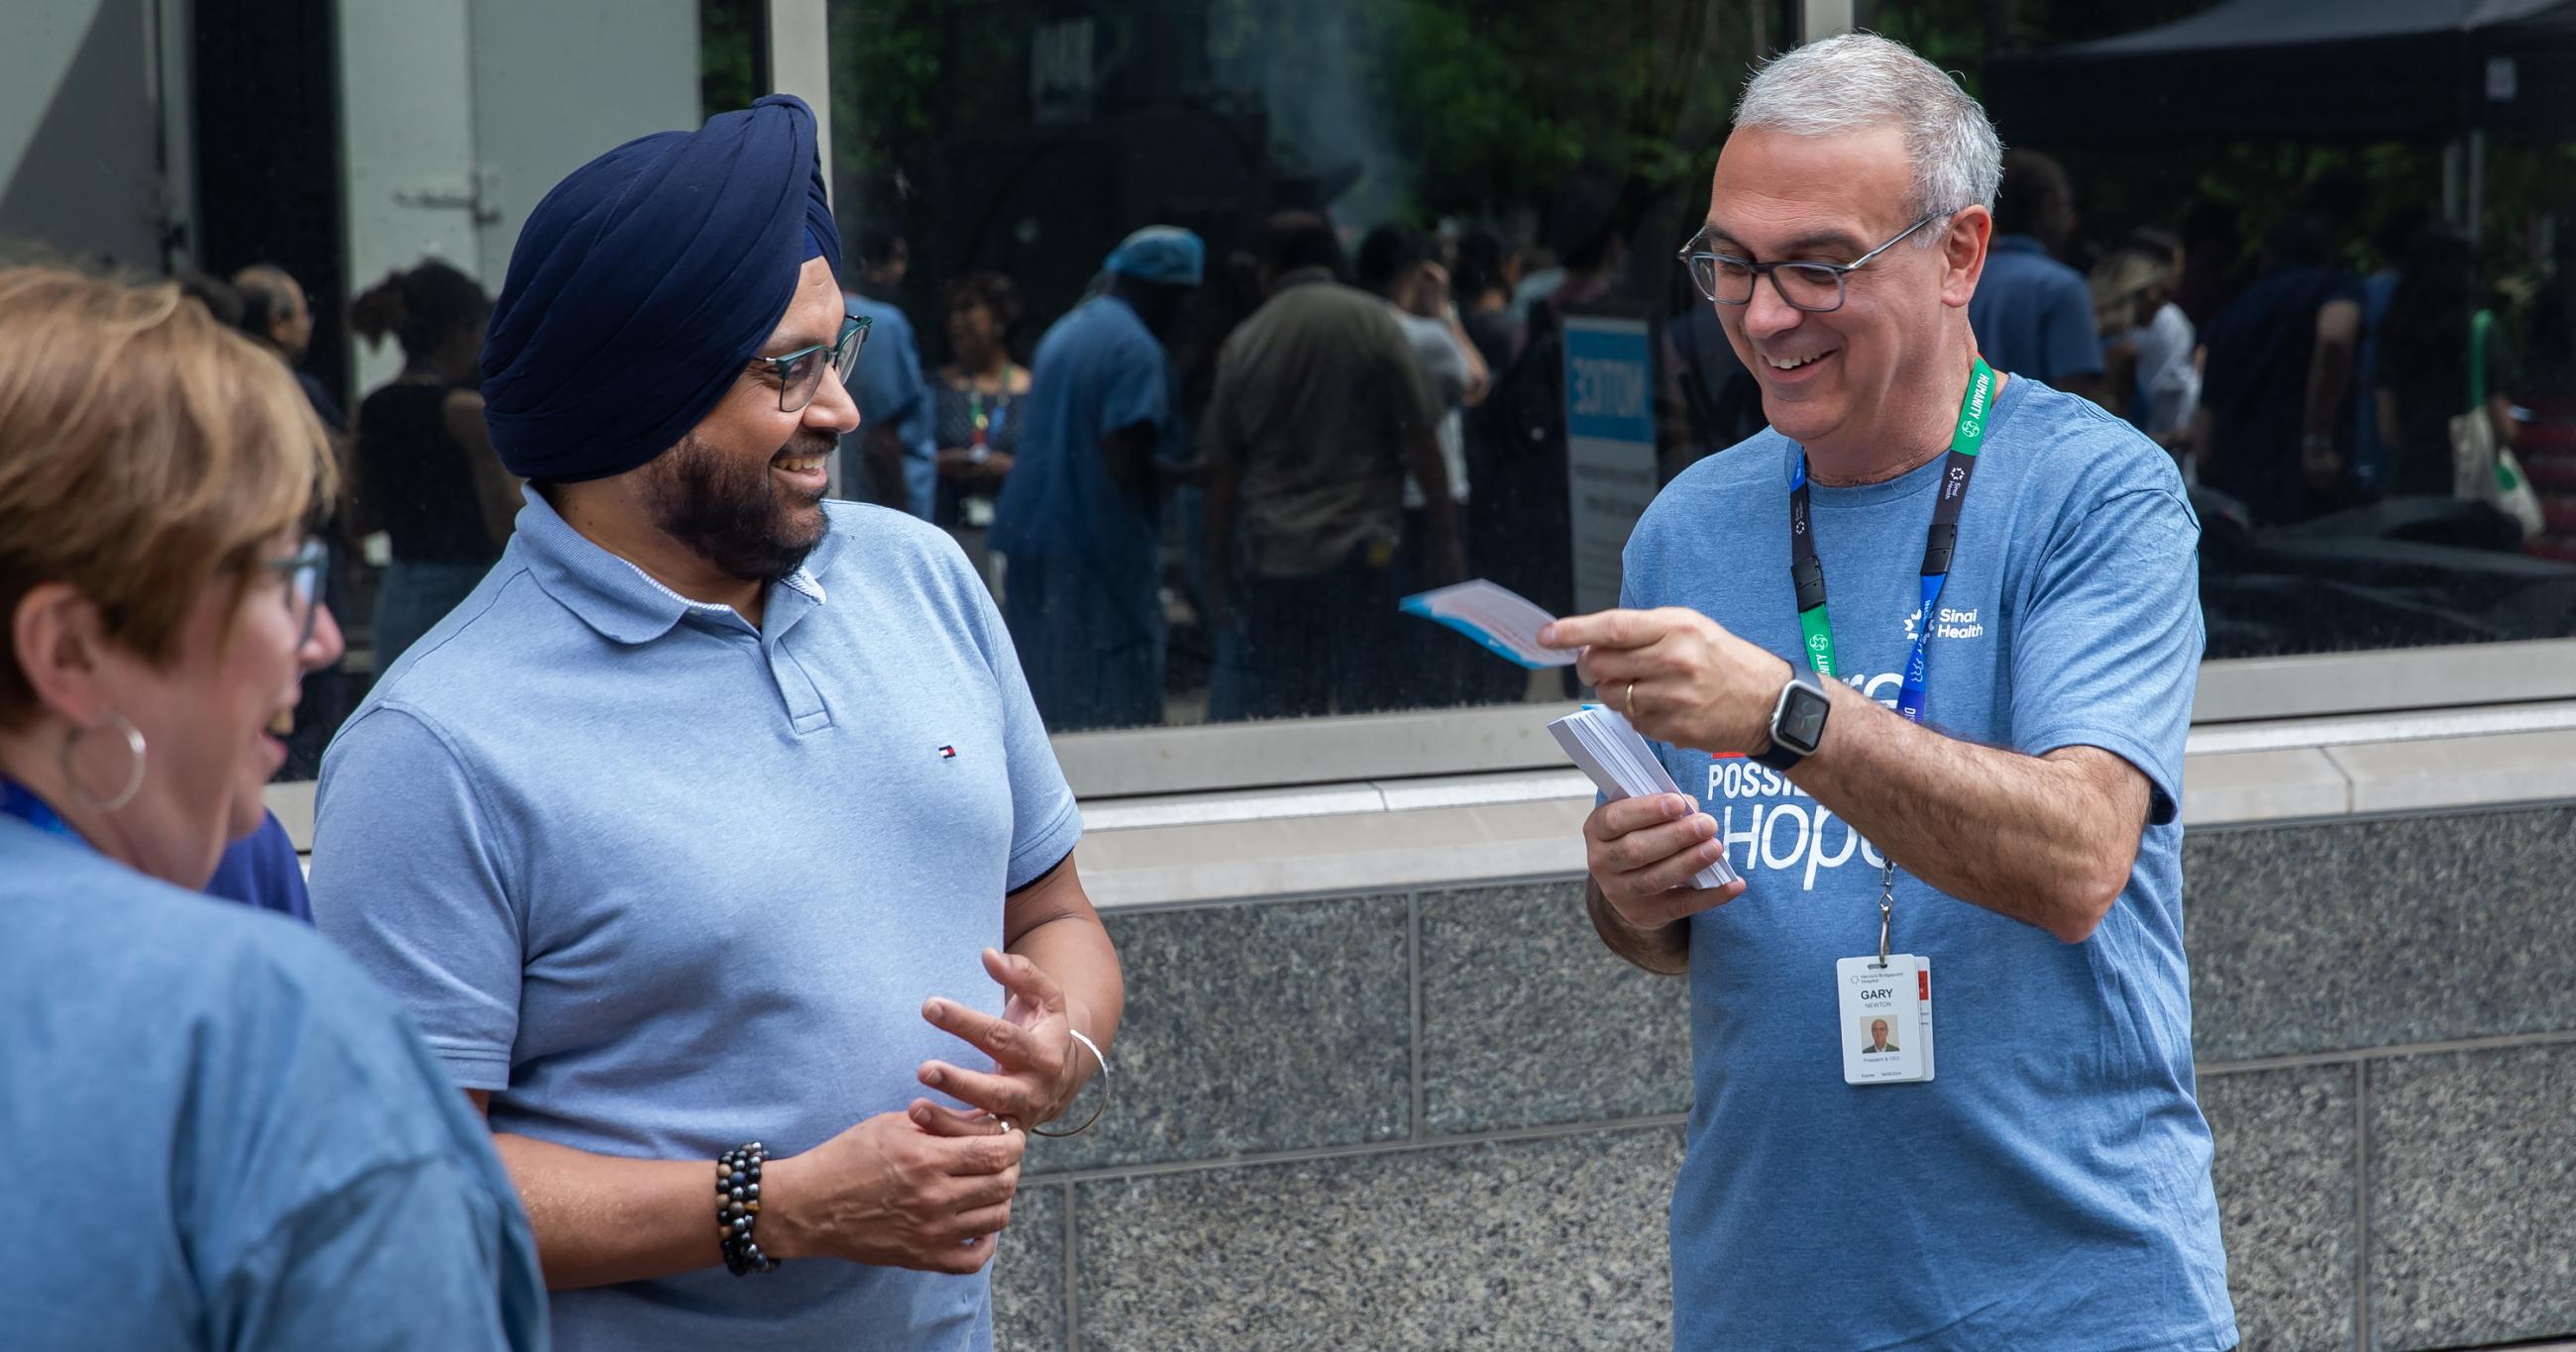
(1096, 323)
(275, 1039)
(867, 538)
(262, 870)
(193, 956)
(863, 541)
(2091, 457)
(2024, 254)
(884, 321)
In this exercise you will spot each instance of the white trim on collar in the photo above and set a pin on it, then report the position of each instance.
(701, 607)
(802, 580)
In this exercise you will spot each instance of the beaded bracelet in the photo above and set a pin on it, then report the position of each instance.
(738, 1208)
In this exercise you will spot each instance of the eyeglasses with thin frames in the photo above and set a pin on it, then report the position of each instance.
(303, 570)
(800, 373)
(1816, 288)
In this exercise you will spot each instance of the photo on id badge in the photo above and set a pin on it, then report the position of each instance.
(1878, 1037)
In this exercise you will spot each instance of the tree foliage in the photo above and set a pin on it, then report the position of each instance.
(1487, 109)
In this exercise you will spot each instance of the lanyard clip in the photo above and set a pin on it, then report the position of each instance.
(1886, 907)
(1938, 544)
(1809, 575)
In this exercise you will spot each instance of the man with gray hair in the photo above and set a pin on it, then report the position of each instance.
(2012, 816)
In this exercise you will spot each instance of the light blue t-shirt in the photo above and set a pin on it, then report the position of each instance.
(2034, 315)
(1097, 370)
(891, 390)
(226, 1138)
(2050, 1187)
(667, 883)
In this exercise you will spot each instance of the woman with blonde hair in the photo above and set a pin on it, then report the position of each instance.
(2151, 375)
(233, 1140)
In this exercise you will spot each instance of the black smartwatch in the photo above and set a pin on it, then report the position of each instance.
(1797, 721)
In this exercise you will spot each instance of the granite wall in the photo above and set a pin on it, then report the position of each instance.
(1448, 1119)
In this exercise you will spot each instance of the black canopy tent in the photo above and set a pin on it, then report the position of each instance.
(2303, 70)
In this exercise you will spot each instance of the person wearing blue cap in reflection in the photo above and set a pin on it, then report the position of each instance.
(715, 831)
(1077, 517)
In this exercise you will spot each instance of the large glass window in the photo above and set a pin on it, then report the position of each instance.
(1512, 179)
(2324, 249)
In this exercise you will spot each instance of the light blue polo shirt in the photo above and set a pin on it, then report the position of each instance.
(666, 883)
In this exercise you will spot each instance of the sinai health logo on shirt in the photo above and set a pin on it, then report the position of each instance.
(1948, 624)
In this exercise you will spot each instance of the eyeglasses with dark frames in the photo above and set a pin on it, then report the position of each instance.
(303, 570)
(1816, 288)
(800, 373)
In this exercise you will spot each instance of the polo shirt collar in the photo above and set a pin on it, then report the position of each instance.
(612, 595)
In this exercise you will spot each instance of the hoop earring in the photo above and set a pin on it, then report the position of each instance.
(134, 749)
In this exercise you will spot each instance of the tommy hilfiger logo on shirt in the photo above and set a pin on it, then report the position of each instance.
(948, 753)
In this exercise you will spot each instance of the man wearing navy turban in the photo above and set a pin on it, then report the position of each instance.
(718, 816)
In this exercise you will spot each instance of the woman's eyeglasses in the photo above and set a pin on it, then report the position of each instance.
(303, 570)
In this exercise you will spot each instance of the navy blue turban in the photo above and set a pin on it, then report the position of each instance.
(642, 285)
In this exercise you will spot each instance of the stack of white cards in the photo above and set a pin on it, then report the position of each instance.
(1621, 765)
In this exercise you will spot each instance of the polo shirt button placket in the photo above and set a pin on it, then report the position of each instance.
(806, 712)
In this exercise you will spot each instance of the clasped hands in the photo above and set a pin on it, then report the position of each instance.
(930, 1188)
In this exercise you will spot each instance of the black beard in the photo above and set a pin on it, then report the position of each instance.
(732, 513)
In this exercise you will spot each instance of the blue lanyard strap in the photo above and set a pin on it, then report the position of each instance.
(1807, 571)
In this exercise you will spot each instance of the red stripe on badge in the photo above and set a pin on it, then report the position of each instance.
(1924, 975)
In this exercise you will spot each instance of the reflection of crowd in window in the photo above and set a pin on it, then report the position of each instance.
(420, 476)
(2340, 384)
(1199, 491)
(1224, 527)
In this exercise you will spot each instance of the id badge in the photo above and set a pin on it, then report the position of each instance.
(1880, 1019)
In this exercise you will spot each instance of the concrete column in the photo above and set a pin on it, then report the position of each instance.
(1823, 19)
(800, 62)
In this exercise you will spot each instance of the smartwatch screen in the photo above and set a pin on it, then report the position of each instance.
(1804, 720)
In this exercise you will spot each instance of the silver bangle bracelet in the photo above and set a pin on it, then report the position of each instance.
(1096, 1108)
